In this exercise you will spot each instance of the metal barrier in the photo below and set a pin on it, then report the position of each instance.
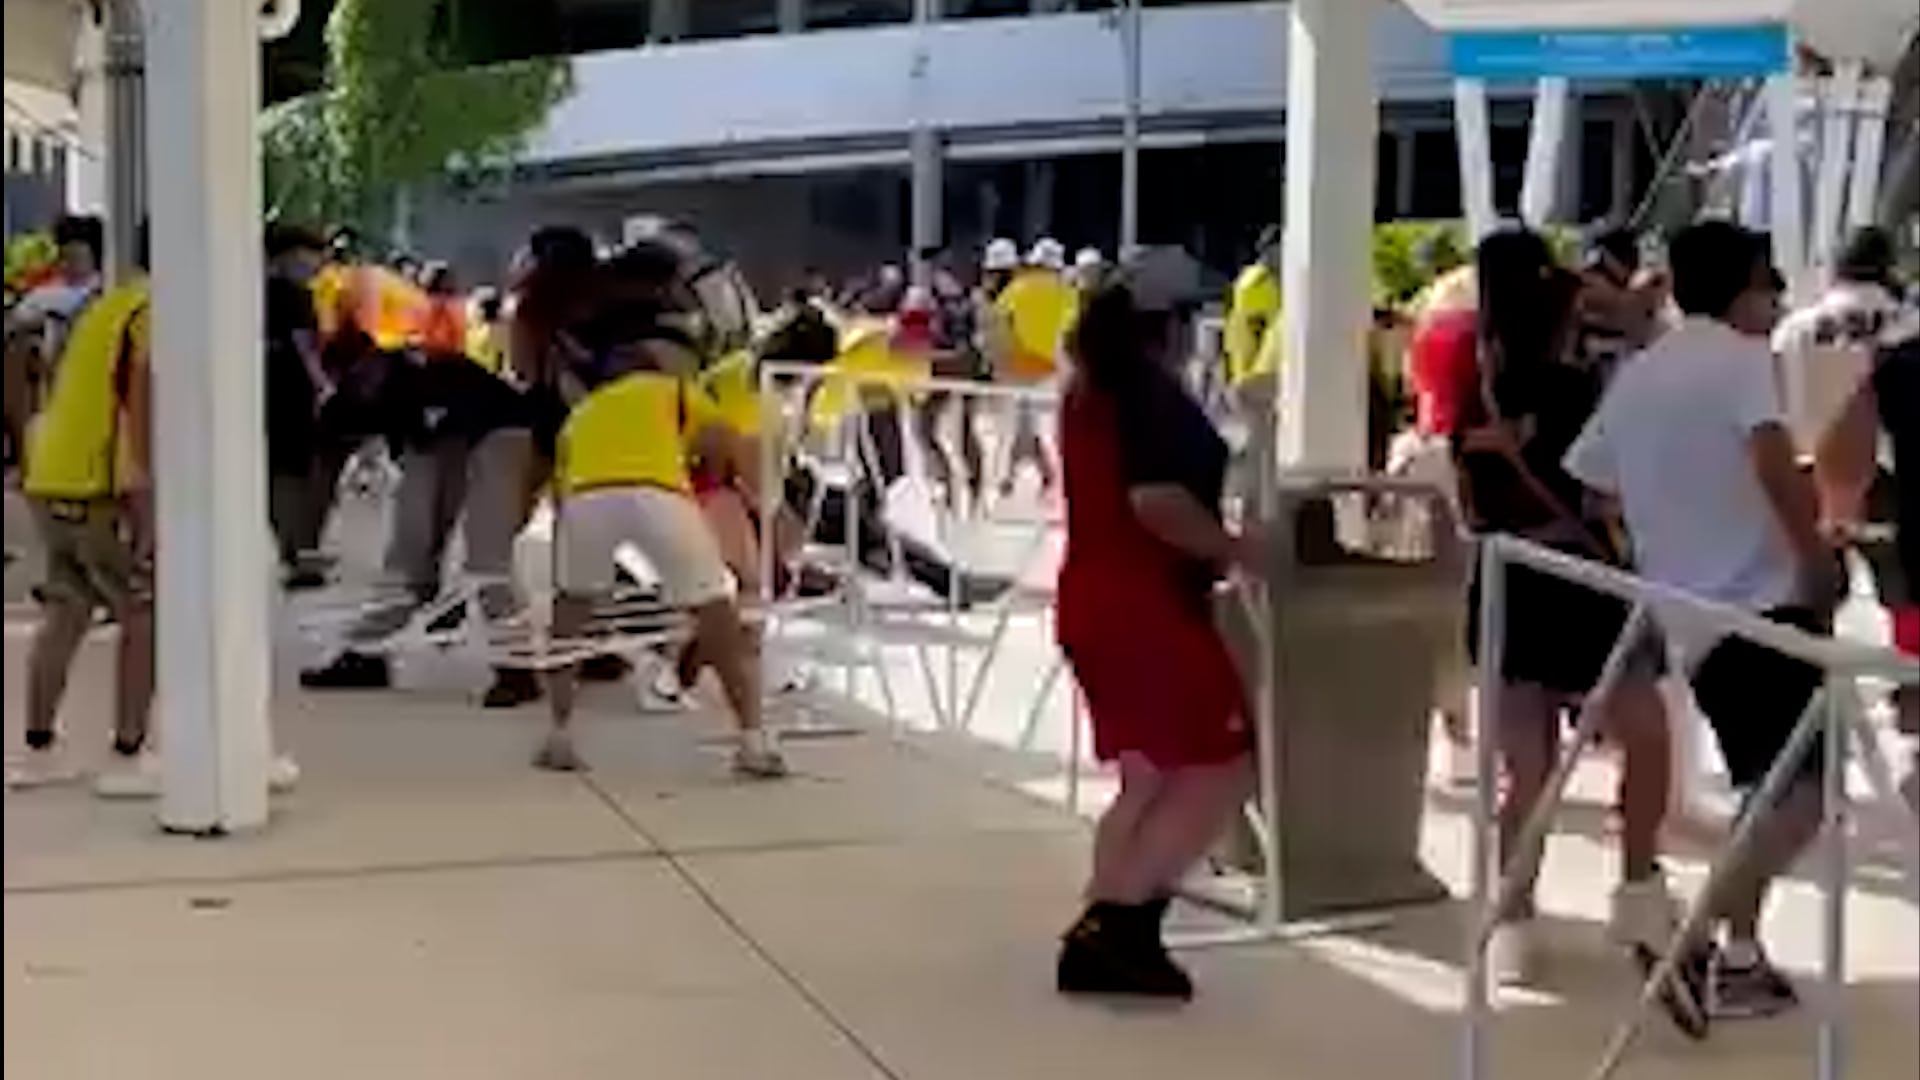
(1834, 714)
(849, 448)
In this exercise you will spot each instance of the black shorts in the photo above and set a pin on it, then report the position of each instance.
(1558, 633)
(1754, 697)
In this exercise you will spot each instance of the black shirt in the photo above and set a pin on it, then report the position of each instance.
(290, 389)
(1166, 438)
(1547, 405)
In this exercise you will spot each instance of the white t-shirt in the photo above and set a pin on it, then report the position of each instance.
(1670, 441)
(1826, 351)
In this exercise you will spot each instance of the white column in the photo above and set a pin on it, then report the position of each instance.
(1787, 217)
(1474, 135)
(209, 453)
(1546, 142)
(923, 144)
(1131, 46)
(87, 164)
(1332, 117)
(1839, 99)
(1869, 146)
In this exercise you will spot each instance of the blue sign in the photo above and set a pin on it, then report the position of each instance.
(1694, 52)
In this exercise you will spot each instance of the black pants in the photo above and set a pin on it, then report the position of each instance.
(877, 542)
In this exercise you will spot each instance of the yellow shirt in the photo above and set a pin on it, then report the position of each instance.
(633, 432)
(76, 449)
(867, 364)
(1252, 334)
(1039, 307)
(733, 384)
(484, 345)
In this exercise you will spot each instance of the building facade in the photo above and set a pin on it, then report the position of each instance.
(782, 127)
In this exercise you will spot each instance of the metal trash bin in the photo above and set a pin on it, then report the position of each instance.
(1362, 598)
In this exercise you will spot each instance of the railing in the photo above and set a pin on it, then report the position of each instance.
(1834, 714)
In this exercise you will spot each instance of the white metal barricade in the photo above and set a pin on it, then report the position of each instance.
(873, 619)
(1834, 714)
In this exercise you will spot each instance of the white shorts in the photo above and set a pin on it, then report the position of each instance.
(666, 527)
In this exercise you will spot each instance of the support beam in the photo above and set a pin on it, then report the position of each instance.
(1787, 217)
(924, 149)
(213, 571)
(1131, 53)
(1839, 99)
(1546, 147)
(793, 16)
(1474, 135)
(1869, 147)
(125, 71)
(1332, 118)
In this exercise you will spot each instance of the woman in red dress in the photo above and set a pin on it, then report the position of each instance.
(1145, 545)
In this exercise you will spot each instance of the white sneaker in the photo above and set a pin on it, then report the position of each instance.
(40, 768)
(136, 777)
(283, 774)
(661, 692)
(1510, 953)
(1644, 914)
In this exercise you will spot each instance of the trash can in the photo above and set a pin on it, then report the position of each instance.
(1363, 596)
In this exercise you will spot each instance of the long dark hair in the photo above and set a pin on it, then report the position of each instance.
(1109, 342)
(1526, 310)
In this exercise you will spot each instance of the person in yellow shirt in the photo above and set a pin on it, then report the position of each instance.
(486, 341)
(621, 474)
(90, 485)
(1035, 309)
(1251, 337)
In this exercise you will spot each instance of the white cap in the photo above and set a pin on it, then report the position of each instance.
(1089, 258)
(1049, 253)
(1001, 254)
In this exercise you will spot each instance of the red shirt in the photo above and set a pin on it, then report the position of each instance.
(1443, 368)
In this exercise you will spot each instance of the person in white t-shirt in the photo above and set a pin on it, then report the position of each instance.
(1692, 440)
(1826, 348)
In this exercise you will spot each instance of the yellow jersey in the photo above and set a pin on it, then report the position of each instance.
(76, 449)
(485, 345)
(1251, 339)
(733, 385)
(868, 364)
(1038, 307)
(634, 431)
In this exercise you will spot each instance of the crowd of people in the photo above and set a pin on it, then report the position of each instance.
(1658, 418)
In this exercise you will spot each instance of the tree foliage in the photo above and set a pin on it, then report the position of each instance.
(397, 108)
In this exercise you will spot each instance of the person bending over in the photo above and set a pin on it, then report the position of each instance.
(621, 472)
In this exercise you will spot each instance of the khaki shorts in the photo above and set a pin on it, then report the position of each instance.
(666, 527)
(90, 559)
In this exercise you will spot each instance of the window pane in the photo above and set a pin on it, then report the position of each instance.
(830, 14)
(1436, 168)
(731, 18)
(593, 25)
(984, 9)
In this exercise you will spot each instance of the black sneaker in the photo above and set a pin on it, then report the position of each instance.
(1684, 997)
(1750, 990)
(1106, 953)
(352, 671)
(304, 579)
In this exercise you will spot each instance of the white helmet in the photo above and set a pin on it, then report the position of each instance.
(1001, 254)
(1049, 253)
(1089, 258)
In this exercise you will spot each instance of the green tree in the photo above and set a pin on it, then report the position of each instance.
(398, 106)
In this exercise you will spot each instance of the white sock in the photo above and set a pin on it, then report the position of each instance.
(756, 741)
(1741, 952)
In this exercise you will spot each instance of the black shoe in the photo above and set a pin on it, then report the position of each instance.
(607, 668)
(449, 620)
(1754, 990)
(1114, 950)
(352, 671)
(304, 579)
(1684, 997)
(512, 688)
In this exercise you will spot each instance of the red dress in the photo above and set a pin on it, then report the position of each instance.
(1134, 617)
